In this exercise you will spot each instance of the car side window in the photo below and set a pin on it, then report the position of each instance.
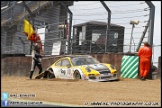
(58, 63)
(65, 62)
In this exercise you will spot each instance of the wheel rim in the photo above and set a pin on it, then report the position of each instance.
(50, 75)
(77, 75)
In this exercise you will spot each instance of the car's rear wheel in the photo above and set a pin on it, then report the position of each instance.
(77, 75)
(50, 74)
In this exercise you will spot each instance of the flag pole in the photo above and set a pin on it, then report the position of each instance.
(31, 45)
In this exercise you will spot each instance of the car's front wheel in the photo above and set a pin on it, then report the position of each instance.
(50, 74)
(77, 75)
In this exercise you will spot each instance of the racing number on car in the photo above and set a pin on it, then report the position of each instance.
(63, 71)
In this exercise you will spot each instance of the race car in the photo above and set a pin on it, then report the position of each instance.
(83, 67)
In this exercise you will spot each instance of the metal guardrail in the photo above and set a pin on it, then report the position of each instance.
(12, 7)
(9, 9)
(40, 5)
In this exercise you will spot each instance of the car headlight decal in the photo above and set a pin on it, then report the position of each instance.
(114, 72)
(97, 74)
(88, 69)
(112, 66)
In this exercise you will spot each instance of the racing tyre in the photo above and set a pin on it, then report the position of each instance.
(77, 75)
(50, 74)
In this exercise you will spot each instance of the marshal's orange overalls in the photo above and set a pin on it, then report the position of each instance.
(37, 39)
(145, 54)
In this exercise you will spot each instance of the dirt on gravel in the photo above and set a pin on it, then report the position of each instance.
(80, 92)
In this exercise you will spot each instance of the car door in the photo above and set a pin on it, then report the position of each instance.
(66, 69)
(57, 69)
(63, 69)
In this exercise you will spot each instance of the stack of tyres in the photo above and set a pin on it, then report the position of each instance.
(129, 66)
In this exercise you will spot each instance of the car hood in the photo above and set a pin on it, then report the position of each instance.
(98, 67)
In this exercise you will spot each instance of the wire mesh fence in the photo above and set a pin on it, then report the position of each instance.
(90, 31)
(121, 14)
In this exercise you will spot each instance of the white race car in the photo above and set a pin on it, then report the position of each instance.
(83, 67)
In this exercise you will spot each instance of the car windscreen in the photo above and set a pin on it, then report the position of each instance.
(77, 61)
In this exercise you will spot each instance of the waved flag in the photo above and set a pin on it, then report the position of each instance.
(28, 29)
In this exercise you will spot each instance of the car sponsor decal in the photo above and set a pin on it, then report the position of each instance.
(63, 71)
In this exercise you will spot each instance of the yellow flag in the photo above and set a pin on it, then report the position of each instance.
(28, 29)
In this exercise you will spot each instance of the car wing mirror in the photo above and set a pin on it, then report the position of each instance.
(68, 65)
